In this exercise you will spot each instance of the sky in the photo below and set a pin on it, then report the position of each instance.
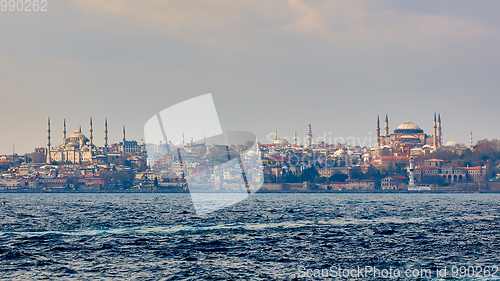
(269, 65)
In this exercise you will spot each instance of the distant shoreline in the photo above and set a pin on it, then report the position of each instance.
(258, 192)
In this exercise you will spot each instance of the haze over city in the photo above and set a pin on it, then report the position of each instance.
(268, 64)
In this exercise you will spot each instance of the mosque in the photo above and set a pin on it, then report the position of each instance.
(78, 149)
(408, 137)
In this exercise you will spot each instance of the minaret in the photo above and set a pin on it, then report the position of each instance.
(48, 142)
(378, 130)
(80, 129)
(440, 136)
(90, 134)
(123, 146)
(386, 125)
(106, 134)
(182, 139)
(204, 140)
(411, 183)
(435, 138)
(309, 135)
(295, 138)
(64, 129)
(471, 147)
(275, 134)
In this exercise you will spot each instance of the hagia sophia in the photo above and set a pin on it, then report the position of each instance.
(409, 139)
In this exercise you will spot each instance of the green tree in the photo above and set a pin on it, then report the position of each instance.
(338, 177)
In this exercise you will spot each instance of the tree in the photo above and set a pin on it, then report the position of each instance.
(432, 179)
(37, 157)
(338, 177)
(309, 174)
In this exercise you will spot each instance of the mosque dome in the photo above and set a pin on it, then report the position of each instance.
(281, 141)
(339, 153)
(408, 128)
(77, 135)
(451, 143)
(72, 144)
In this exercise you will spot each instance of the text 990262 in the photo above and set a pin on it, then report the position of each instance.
(23, 5)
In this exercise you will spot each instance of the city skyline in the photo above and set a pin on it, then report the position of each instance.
(329, 137)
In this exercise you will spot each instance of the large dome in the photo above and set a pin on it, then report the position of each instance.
(77, 135)
(408, 128)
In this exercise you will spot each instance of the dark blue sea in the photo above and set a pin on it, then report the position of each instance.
(268, 236)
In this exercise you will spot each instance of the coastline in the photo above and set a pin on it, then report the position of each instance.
(260, 192)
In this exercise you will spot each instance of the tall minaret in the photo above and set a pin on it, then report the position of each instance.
(440, 136)
(80, 129)
(386, 125)
(411, 175)
(106, 134)
(435, 138)
(309, 135)
(295, 137)
(471, 147)
(64, 129)
(275, 134)
(378, 130)
(182, 139)
(90, 134)
(123, 146)
(48, 142)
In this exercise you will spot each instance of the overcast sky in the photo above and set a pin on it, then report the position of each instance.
(268, 64)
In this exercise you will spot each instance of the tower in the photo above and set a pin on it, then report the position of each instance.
(295, 137)
(183, 139)
(471, 147)
(439, 131)
(378, 130)
(90, 134)
(275, 134)
(123, 146)
(48, 141)
(309, 135)
(106, 134)
(435, 137)
(64, 129)
(386, 126)
(411, 182)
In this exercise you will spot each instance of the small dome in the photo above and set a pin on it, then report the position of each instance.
(340, 152)
(407, 137)
(451, 143)
(72, 144)
(281, 141)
